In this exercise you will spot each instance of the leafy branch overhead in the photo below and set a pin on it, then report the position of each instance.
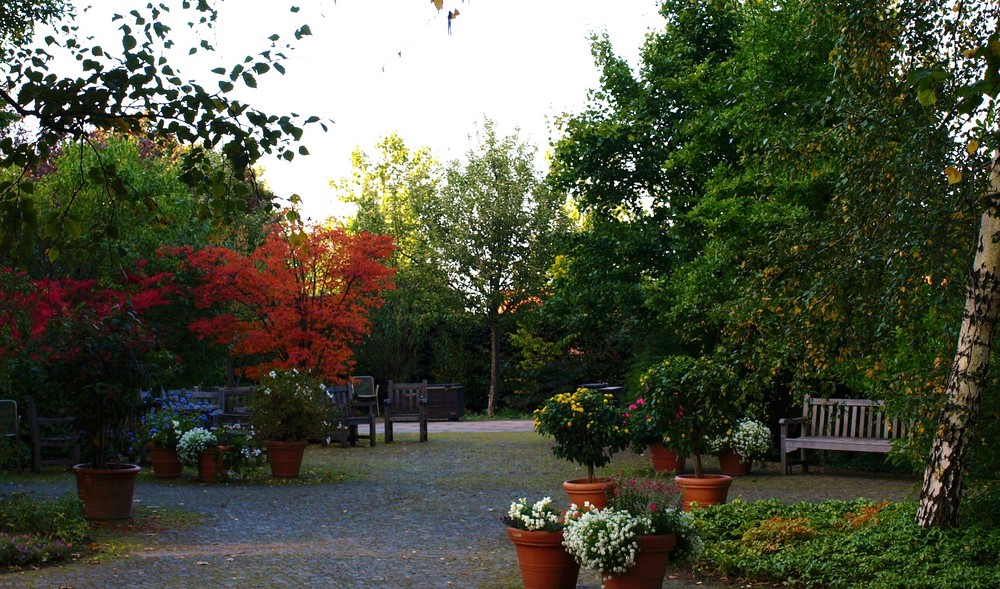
(133, 88)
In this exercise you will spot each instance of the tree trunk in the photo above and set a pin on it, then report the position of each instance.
(941, 493)
(494, 368)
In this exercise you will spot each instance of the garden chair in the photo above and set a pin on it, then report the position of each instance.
(350, 414)
(406, 402)
(366, 391)
(10, 427)
(51, 432)
(234, 407)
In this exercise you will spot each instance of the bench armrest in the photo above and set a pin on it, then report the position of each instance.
(785, 422)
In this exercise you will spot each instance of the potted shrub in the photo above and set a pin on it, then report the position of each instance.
(537, 533)
(631, 540)
(163, 427)
(587, 428)
(695, 395)
(287, 409)
(645, 424)
(749, 440)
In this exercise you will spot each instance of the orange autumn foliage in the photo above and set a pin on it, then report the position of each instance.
(300, 300)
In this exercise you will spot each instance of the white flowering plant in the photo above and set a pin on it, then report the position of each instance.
(288, 406)
(604, 540)
(194, 442)
(536, 516)
(750, 439)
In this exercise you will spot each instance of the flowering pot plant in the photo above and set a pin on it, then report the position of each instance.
(607, 540)
(586, 425)
(693, 397)
(288, 406)
(194, 442)
(750, 439)
(644, 424)
(164, 425)
(536, 516)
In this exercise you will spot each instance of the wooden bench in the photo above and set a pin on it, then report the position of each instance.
(854, 425)
(405, 402)
(51, 432)
(349, 413)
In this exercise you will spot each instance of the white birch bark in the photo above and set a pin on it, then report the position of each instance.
(941, 493)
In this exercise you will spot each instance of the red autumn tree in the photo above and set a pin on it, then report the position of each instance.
(300, 300)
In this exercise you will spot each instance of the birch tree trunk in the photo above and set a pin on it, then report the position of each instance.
(941, 493)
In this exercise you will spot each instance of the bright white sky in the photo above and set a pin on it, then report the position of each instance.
(379, 66)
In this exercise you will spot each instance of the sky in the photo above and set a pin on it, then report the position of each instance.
(375, 67)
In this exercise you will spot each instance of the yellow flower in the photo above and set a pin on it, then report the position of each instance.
(569, 424)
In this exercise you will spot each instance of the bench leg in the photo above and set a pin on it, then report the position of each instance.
(388, 431)
(423, 431)
(371, 432)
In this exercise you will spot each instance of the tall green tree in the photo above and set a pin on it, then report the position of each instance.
(492, 226)
(389, 189)
(820, 180)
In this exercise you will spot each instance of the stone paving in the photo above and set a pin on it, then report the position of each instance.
(404, 515)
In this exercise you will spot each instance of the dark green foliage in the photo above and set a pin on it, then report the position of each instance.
(838, 544)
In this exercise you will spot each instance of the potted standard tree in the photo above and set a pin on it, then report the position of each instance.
(694, 396)
(587, 428)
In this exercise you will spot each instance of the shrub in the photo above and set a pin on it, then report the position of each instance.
(35, 531)
(840, 545)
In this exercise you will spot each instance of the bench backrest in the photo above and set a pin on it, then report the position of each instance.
(407, 398)
(850, 418)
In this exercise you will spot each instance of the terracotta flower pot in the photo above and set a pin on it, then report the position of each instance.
(710, 489)
(650, 564)
(544, 562)
(666, 460)
(583, 490)
(212, 465)
(106, 492)
(731, 465)
(166, 462)
(285, 458)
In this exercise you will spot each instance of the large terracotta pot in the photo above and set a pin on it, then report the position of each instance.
(583, 490)
(710, 489)
(544, 562)
(731, 465)
(212, 465)
(166, 462)
(666, 460)
(106, 492)
(650, 565)
(285, 458)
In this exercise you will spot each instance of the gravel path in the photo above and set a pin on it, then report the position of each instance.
(405, 515)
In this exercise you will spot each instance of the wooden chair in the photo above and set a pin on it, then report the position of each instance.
(51, 432)
(10, 428)
(234, 406)
(350, 413)
(406, 402)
